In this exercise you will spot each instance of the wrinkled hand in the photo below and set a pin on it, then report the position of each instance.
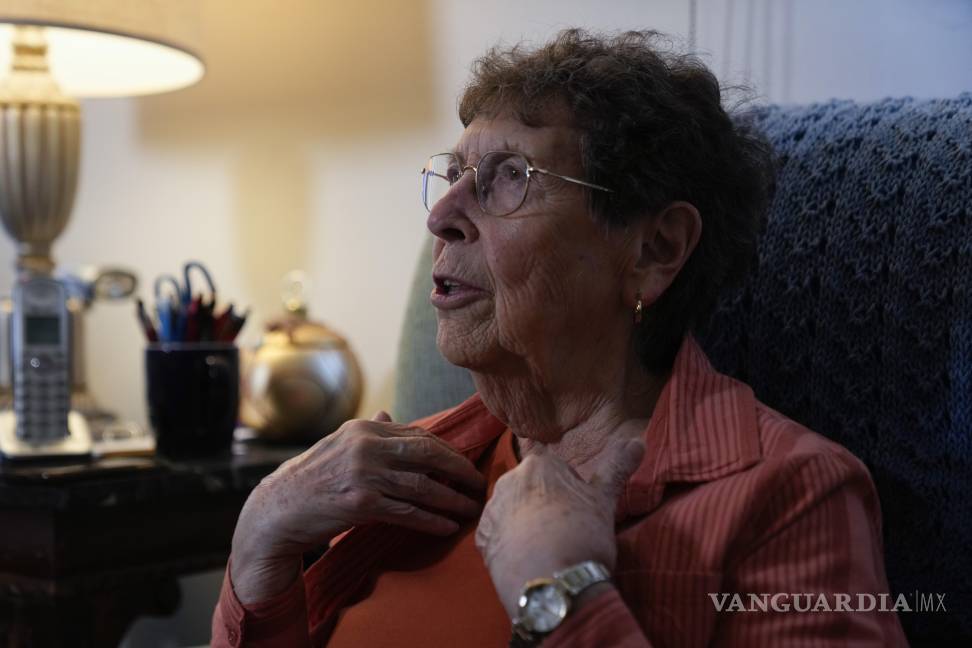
(365, 472)
(544, 517)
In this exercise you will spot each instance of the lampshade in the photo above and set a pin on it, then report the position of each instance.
(103, 48)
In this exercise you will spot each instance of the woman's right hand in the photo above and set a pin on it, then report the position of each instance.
(365, 472)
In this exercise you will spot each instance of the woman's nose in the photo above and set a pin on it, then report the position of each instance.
(449, 218)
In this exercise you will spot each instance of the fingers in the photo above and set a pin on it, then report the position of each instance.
(620, 461)
(392, 511)
(425, 453)
(416, 449)
(420, 489)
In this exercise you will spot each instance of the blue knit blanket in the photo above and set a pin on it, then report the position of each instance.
(858, 321)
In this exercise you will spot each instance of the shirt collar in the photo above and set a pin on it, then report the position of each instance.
(468, 427)
(703, 428)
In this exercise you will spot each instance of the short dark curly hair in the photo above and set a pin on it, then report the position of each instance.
(654, 130)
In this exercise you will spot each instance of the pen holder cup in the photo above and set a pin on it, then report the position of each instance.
(193, 392)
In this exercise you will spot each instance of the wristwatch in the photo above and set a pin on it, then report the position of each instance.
(545, 602)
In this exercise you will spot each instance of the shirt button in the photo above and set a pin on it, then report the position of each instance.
(233, 636)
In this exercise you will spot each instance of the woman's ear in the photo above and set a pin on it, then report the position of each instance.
(663, 242)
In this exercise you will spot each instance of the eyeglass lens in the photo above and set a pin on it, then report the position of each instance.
(501, 180)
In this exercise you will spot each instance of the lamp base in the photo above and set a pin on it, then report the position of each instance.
(76, 443)
(41, 149)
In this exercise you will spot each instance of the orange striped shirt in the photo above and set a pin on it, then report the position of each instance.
(732, 498)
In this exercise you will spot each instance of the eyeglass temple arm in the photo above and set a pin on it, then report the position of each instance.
(429, 172)
(569, 179)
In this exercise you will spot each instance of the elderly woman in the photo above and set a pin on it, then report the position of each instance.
(605, 486)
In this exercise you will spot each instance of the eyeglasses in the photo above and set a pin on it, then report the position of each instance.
(502, 180)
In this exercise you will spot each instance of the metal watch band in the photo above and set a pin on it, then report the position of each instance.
(579, 577)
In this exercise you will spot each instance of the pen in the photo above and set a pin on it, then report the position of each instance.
(221, 321)
(192, 320)
(166, 308)
(232, 329)
(205, 318)
(144, 320)
(165, 320)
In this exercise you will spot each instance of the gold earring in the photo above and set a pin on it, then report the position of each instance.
(639, 309)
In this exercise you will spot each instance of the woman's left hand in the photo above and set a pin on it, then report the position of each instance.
(544, 517)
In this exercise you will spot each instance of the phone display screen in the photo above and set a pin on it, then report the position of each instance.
(42, 330)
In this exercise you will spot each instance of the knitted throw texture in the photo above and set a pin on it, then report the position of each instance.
(858, 321)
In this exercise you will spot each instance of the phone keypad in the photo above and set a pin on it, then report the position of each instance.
(42, 405)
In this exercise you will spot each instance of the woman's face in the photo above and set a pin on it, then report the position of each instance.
(537, 288)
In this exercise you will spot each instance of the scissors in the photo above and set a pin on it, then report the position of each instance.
(186, 318)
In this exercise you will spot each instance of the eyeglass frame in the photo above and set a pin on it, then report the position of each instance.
(530, 170)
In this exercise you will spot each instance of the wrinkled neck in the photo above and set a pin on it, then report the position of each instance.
(576, 412)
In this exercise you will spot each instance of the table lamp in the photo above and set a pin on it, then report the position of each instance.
(55, 51)
(52, 51)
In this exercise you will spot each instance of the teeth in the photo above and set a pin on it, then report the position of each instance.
(449, 283)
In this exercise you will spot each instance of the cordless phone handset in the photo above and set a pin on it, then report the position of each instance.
(40, 359)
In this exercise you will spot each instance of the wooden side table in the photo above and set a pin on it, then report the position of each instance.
(87, 548)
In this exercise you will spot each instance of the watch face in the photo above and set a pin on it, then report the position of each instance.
(543, 607)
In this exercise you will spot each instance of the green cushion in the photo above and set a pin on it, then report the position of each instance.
(424, 382)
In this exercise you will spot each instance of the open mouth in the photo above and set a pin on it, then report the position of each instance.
(445, 286)
(450, 293)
